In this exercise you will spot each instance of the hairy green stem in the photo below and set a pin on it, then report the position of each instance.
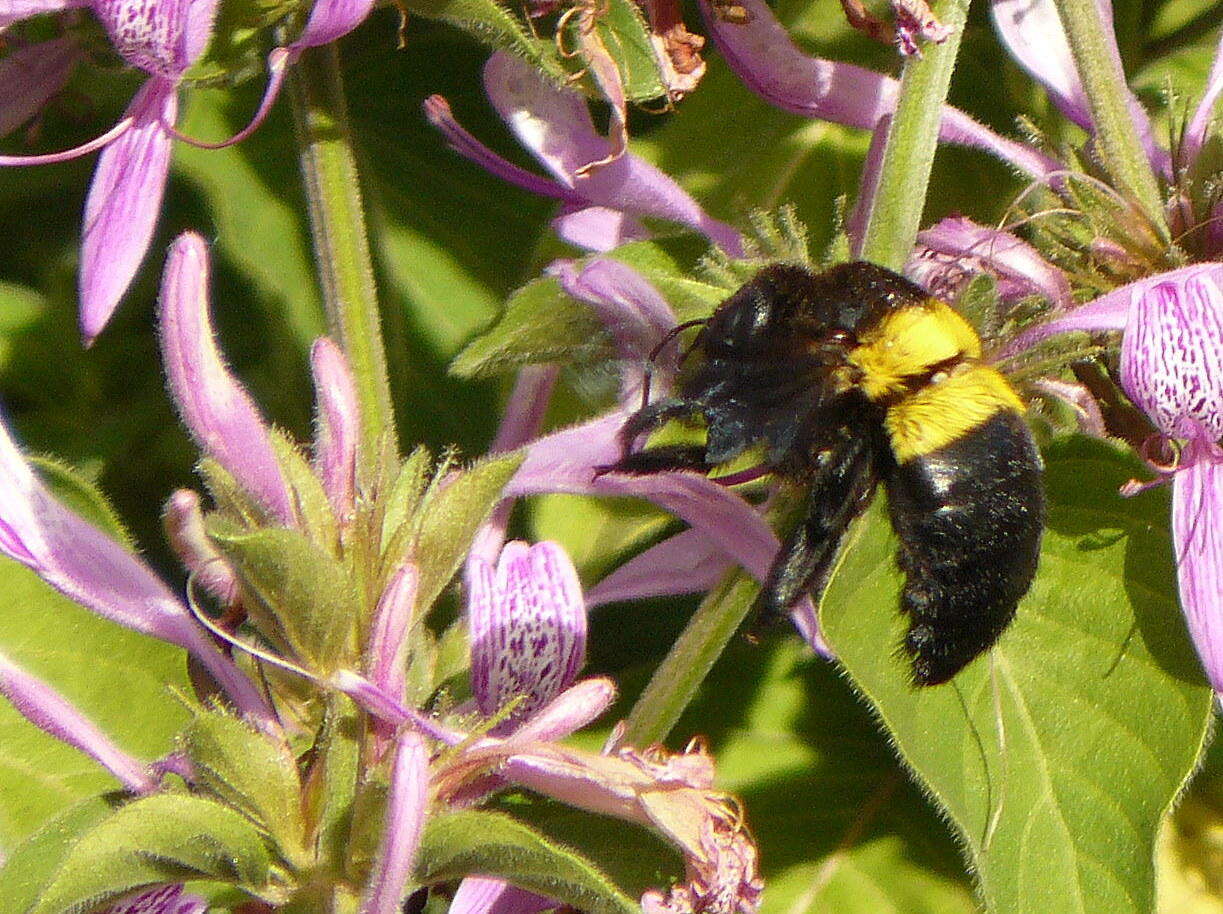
(337, 221)
(908, 154)
(1116, 135)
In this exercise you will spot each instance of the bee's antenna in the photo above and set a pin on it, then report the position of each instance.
(667, 338)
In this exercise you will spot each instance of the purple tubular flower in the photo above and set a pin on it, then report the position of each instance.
(689, 562)
(405, 817)
(166, 899)
(218, 412)
(555, 127)
(388, 634)
(44, 707)
(87, 566)
(483, 895)
(31, 76)
(337, 425)
(183, 520)
(763, 56)
(1172, 369)
(949, 252)
(528, 628)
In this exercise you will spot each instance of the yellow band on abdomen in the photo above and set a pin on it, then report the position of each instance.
(946, 409)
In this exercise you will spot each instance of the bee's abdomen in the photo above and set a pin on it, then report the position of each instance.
(969, 516)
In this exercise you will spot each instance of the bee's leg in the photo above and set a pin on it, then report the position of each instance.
(661, 459)
(651, 417)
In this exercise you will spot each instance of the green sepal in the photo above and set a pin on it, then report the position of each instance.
(1056, 754)
(330, 783)
(493, 24)
(32, 864)
(310, 500)
(76, 492)
(450, 517)
(156, 839)
(251, 773)
(472, 842)
(229, 497)
(405, 492)
(303, 595)
(541, 323)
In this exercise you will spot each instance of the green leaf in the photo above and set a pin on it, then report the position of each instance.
(303, 594)
(541, 323)
(490, 844)
(624, 33)
(249, 772)
(35, 860)
(313, 506)
(161, 838)
(451, 518)
(1056, 755)
(405, 492)
(82, 496)
(493, 24)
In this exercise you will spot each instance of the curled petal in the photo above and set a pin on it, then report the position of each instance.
(405, 817)
(183, 520)
(31, 76)
(89, 567)
(214, 407)
(763, 56)
(597, 228)
(123, 203)
(528, 627)
(689, 562)
(484, 895)
(16, 10)
(162, 38)
(1197, 533)
(332, 19)
(337, 425)
(955, 248)
(52, 713)
(1195, 132)
(631, 308)
(555, 126)
(1172, 352)
(166, 899)
(579, 705)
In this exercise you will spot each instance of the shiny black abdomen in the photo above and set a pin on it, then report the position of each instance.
(969, 516)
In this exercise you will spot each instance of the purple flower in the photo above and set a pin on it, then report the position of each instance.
(1172, 369)
(162, 38)
(603, 194)
(166, 899)
(406, 807)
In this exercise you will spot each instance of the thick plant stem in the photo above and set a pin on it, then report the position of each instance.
(895, 215)
(1108, 96)
(337, 221)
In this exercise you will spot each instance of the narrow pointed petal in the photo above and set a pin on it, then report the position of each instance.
(387, 651)
(405, 818)
(86, 565)
(598, 228)
(332, 19)
(689, 562)
(32, 76)
(1197, 534)
(162, 38)
(337, 425)
(166, 899)
(951, 251)
(216, 410)
(377, 703)
(767, 61)
(579, 705)
(1195, 133)
(528, 627)
(868, 188)
(555, 126)
(484, 895)
(1172, 351)
(123, 203)
(16, 10)
(44, 707)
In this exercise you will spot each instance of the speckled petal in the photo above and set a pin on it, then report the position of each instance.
(161, 37)
(165, 899)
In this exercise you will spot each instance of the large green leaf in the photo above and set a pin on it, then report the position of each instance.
(1056, 755)
(122, 680)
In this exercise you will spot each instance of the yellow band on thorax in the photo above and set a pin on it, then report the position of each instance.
(907, 342)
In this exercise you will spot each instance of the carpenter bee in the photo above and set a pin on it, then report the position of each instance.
(853, 376)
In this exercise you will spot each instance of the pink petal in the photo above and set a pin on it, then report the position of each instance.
(1195, 133)
(555, 126)
(1172, 351)
(1197, 532)
(579, 705)
(763, 56)
(597, 228)
(123, 203)
(332, 19)
(337, 425)
(483, 895)
(16, 10)
(216, 410)
(405, 817)
(162, 37)
(528, 627)
(87, 566)
(387, 651)
(868, 188)
(166, 899)
(32, 76)
(689, 562)
(633, 311)
(52, 713)
(183, 520)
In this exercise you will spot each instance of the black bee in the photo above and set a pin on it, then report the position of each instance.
(853, 376)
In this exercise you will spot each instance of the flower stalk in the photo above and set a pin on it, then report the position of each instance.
(337, 219)
(891, 225)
